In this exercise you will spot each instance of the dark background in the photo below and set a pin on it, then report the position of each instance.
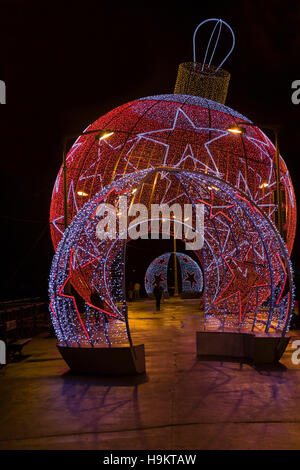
(66, 64)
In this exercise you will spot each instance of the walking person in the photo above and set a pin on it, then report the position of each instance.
(130, 292)
(136, 290)
(157, 291)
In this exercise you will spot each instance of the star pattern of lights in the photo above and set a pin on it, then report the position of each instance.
(157, 272)
(178, 131)
(247, 274)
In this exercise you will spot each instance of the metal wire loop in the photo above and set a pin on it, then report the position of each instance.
(219, 24)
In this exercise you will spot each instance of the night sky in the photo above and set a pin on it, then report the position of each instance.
(66, 64)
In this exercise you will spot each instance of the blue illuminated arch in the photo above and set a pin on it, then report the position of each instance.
(191, 274)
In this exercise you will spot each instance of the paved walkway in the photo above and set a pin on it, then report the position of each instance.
(181, 403)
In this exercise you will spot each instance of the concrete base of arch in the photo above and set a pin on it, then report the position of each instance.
(256, 347)
(120, 360)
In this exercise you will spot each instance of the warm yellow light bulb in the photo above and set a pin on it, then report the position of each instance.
(263, 185)
(236, 130)
(105, 135)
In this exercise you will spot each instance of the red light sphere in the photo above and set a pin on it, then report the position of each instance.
(180, 131)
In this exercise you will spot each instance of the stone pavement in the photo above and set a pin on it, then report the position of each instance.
(181, 403)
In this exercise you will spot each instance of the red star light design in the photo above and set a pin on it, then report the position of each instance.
(172, 140)
(158, 279)
(217, 206)
(191, 278)
(73, 273)
(253, 209)
(244, 279)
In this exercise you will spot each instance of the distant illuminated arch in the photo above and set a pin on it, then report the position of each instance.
(191, 274)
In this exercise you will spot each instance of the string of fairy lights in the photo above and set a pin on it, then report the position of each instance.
(179, 131)
(246, 269)
(185, 151)
(157, 273)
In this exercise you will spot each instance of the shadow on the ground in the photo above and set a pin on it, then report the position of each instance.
(17, 358)
(276, 366)
(111, 381)
(44, 359)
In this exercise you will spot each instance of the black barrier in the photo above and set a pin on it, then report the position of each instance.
(22, 320)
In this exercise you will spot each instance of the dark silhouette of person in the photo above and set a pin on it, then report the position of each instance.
(130, 292)
(157, 291)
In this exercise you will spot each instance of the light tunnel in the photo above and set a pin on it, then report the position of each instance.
(191, 274)
(247, 274)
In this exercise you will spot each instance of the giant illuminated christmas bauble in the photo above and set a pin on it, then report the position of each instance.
(178, 131)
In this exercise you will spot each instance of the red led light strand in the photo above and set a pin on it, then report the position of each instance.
(72, 297)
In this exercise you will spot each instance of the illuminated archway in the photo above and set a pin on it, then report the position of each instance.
(157, 272)
(247, 272)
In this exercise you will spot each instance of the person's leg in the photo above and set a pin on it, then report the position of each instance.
(157, 303)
